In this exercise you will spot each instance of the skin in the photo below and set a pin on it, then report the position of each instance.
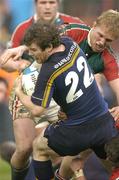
(100, 38)
(113, 83)
(47, 10)
(101, 42)
(41, 151)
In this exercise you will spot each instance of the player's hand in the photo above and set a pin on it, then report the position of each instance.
(23, 64)
(12, 54)
(62, 115)
(115, 113)
(18, 85)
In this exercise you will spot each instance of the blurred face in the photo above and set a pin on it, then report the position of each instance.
(3, 92)
(100, 38)
(47, 9)
(38, 53)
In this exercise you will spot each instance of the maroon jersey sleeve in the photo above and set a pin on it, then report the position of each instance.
(111, 65)
(19, 32)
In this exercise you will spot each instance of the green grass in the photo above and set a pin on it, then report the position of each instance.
(4, 171)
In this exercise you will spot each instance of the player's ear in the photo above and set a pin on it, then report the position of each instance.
(94, 24)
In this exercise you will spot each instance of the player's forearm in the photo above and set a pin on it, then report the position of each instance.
(26, 101)
(115, 87)
(11, 66)
(9, 60)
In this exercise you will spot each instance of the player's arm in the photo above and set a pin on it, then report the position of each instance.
(99, 81)
(115, 87)
(9, 60)
(26, 100)
(111, 73)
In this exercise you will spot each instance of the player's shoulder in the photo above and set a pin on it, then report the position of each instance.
(109, 55)
(25, 23)
(21, 28)
(70, 19)
(73, 23)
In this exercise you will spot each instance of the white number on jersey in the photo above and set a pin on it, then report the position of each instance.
(72, 77)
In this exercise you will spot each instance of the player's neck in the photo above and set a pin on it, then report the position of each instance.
(60, 48)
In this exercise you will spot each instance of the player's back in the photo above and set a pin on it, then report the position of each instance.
(75, 87)
(71, 82)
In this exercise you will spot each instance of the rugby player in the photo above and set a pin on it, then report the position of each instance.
(24, 129)
(69, 73)
(79, 32)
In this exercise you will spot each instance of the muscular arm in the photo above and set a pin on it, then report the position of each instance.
(99, 81)
(26, 101)
(12, 66)
(115, 110)
(9, 60)
(115, 87)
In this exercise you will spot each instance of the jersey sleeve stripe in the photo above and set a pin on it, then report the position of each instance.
(77, 26)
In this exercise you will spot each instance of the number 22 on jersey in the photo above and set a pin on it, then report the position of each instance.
(73, 79)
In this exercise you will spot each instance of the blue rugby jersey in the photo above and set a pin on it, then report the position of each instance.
(67, 78)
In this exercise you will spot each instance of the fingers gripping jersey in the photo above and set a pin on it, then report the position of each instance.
(71, 83)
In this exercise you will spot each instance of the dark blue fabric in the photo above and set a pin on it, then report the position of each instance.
(94, 170)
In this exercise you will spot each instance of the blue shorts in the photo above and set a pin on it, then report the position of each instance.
(71, 140)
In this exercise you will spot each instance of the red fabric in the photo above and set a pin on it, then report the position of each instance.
(21, 29)
(77, 34)
(18, 34)
(115, 174)
(111, 70)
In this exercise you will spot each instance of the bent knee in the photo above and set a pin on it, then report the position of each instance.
(40, 144)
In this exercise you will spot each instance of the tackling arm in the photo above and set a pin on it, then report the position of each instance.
(115, 87)
(9, 60)
(26, 100)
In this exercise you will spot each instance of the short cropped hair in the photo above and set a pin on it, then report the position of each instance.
(43, 35)
(110, 19)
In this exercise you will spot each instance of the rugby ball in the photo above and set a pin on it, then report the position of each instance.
(29, 78)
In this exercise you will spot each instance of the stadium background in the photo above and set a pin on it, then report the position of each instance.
(12, 12)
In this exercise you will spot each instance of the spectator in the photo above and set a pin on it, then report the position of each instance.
(7, 145)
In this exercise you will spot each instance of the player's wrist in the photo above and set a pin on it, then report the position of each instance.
(24, 48)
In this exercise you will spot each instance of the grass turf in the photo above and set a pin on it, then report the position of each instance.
(4, 170)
